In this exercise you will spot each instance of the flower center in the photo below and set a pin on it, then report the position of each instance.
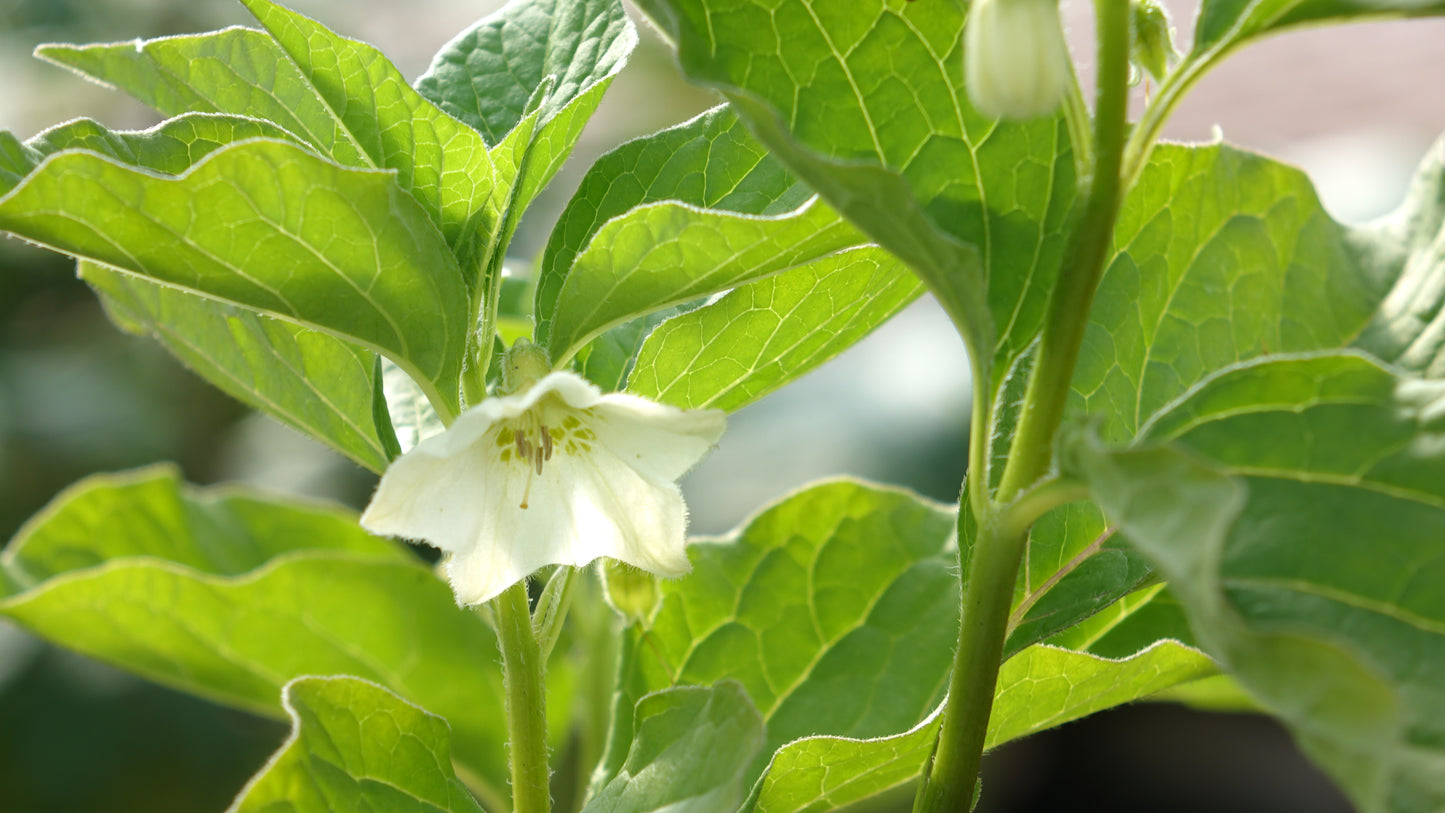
(533, 437)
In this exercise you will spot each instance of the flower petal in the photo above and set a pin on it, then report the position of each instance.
(578, 509)
(660, 441)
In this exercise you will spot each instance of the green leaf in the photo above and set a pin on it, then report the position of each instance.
(1224, 25)
(235, 70)
(762, 335)
(1041, 688)
(488, 74)
(316, 383)
(1269, 531)
(356, 746)
(1221, 256)
(1409, 248)
(866, 104)
(710, 161)
(690, 753)
(171, 147)
(229, 595)
(443, 163)
(268, 226)
(713, 163)
(319, 384)
(1073, 568)
(841, 591)
(664, 254)
(1045, 686)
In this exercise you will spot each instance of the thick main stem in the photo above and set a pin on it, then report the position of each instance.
(994, 558)
(522, 668)
(1073, 294)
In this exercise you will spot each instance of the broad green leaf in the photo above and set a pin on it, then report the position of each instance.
(1041, 688)
(664, 254)
(1130, 625)
(1073, 568)
(171, 147)
(710, 161)
(866, 103)
(268, 226)
(841, 591)
(443, 163)
(713, 163)
(488, 74)
(356, 746)
(1269, 531)
(316, 383)
(149, 512)
(764, 334)
(1045, 686)
(229, 596)
(690, 754)
(319, 384)
(1223, 25)
(236, 70)
(1221, 256)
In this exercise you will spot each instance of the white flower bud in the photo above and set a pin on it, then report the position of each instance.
(1016, 62)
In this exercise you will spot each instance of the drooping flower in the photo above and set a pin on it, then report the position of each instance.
(1016, 61)
(550, 471)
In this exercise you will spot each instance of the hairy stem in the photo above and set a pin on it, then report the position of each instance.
(993, 562)
(1073, 294)
(522, 667)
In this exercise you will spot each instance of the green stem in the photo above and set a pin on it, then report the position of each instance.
(1069, 302)
(949, 784)
(994, 558)
(522, 668)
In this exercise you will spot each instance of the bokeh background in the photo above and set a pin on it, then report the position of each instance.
(1355, 106)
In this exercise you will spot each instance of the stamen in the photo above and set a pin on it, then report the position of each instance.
(546, 444)
(539, 461)
(521, 443)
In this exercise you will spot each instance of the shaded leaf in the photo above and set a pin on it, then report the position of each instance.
(1040, 688)
(1269, 533)
(356, 746)
(314, 382)
(836, 609)
(229, 596)
(689, 755)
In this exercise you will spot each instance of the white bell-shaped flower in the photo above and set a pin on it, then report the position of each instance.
(554, 473)
(1016, 61)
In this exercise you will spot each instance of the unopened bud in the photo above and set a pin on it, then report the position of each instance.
(1015, 59)
(523, 365)
(1152, 42)
(631, 592)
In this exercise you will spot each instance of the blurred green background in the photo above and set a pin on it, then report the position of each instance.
(77, 396)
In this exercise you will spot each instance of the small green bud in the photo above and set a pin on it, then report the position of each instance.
(1151, 38)
(523, 365)
(630, 591)
(1015, 59)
